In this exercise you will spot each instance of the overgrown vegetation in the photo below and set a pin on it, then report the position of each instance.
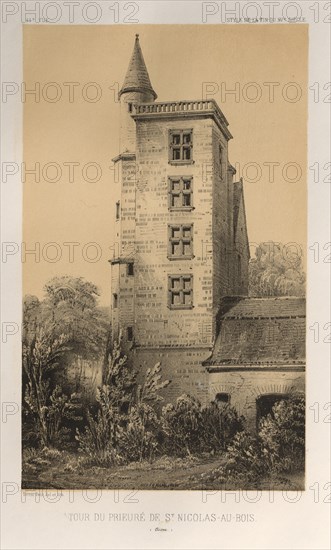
(190, 428)
(278, 447)
(122, 421)
(59, 333)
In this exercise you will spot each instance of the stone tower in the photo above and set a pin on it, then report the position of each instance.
(180, 230)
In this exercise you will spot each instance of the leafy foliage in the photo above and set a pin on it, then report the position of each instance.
(99, 439)
(191, 428)
(125, 424)
(47, 406)
(181, 424)
(138, 440)
(244, 457)
(282, 435)
(149, 391)
(60, 334)
(72, 304)
(119, 377)
(278, 447)
(69, 307)
(276, 270)
(220, 423)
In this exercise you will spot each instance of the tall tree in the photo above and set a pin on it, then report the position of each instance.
(276, 270)
(62, 334)
(71, 304)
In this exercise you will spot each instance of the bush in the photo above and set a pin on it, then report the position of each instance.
(282, 435)
(99, 439)
(220, 423)
(278, 447)
(190, 428)
(138, 441)
(125, 425)
(244, 457)
(181, 424)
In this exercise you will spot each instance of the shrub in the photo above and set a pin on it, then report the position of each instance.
(191, 428)
(278, 447)
(244, 456)
(242, 463)
(125, 424)
(181, 424)
(99, 439)
(42, 404)
(220, 423)
(282, 435)
(138, 441)
(119, 377)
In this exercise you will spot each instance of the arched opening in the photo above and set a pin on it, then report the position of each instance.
(265, 403)
(222, 399)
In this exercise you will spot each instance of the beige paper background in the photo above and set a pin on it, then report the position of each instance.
(282, 523)
(179, 58)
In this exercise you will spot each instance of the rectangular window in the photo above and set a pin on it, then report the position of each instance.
(180, 191)
(130, 270)
(180, 291)
(181, 146)
(118, 210)
(180, 239)
(115, 301)
(130, 334)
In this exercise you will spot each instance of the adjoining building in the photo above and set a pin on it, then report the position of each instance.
(179, 273)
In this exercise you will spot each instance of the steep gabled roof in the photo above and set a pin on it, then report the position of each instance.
(137, 78)
(260, 331)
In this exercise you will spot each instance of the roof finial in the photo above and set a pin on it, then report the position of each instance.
(137, 36)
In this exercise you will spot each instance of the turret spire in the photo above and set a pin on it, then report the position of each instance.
(137, 78)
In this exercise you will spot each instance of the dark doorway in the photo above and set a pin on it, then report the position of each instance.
(264, 404)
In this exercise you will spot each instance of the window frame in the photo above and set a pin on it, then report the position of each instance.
(181, 146)
(182, 240)
(181, 193)
(130, 266)
(181, 291)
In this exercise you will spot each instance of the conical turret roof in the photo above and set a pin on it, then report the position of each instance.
(137, 78)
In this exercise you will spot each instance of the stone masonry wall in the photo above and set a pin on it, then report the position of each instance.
(156, 324)
(182, 367)
(245, 386)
